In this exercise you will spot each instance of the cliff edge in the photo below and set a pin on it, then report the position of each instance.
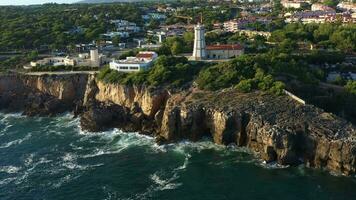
(276, 128)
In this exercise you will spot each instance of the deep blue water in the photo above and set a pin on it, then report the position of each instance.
(50, 158)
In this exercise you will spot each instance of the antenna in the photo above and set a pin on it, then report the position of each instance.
(201, 18)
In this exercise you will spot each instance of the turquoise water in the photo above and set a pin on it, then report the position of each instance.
(51, 158)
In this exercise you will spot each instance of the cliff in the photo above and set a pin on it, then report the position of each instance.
(276, 128)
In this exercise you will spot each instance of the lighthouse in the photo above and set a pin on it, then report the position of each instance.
(199, 51)
(94, 58)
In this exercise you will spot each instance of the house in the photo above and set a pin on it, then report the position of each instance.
(92, 59)
(125, 26)
(224, 51)
(347, 6)
(142, 61)
(244, 23)
(320, 17)
(319, 6)
(154, 16)
(294, 4)
(111, 35)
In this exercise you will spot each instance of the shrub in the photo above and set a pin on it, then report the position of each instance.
(244, 85)
(351, 87)
(277, 88)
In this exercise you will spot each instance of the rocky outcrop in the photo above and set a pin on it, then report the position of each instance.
(278, 129)
(148, 99)
(42, 95)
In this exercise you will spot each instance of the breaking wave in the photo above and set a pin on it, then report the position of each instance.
(15, 142)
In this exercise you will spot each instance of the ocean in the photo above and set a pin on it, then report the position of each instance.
(51, 158)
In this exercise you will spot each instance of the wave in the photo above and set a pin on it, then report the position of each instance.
(15, 142)
(6, 116)
(7, 181)
(10, 169)
(272, 165)
(165, 184)
(117, 141)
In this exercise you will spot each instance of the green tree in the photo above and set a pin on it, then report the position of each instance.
(244, 85)
(177, 48)
(116, 40)
(351, 87)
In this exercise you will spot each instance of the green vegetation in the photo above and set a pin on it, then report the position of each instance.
(167, 70)
(56, 26)
(243, 73)
(351, 87)
(327, 35)
(211, 14)
(177, 45)
(62, 68)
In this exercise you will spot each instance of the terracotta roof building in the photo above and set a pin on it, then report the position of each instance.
(224, 51)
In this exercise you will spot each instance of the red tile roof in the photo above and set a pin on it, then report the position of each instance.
(144, 55)
(225, 47)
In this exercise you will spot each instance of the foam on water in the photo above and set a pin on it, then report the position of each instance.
(10, 169)
(73, 156)
(272, 165)
(165, 184)
(15, 142)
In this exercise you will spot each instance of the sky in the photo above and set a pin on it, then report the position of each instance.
(28, 2)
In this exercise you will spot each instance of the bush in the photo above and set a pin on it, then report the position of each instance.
(245, 85)
(351, 87)
(277, 88)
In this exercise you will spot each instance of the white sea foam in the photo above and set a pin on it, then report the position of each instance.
(7, 180)
(272, 165)
(10, 169)
(118, 141)
(185, 164)
(15, 142)
(165, 184)
(6, 116)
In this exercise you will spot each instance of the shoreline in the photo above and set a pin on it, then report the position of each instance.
(277, 129)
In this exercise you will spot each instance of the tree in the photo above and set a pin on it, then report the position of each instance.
(351, 87)
(177, 48)
(331, 3)
(277, 88)
(116, 40)
(244, 85)
(153, 24)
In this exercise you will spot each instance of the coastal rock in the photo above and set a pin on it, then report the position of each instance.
(101, 117)
(277, 128)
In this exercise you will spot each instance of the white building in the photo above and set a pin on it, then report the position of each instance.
(125, 26)
(319, 6)
(224, 51)
(121, 34)
(347, 6)
(155, 16)
(293, 4)
(94, 60)
(142, 61)
(199, 50)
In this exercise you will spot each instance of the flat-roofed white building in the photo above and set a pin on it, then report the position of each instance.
(92, 59)
(293, 3)
(142, 61)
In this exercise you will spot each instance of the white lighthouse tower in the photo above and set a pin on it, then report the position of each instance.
(199, 51)
(94, 58)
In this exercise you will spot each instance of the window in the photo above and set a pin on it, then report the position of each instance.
(134, 68)
(124, 67)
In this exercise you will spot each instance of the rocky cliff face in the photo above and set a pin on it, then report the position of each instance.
(42, 95)
(276, 128)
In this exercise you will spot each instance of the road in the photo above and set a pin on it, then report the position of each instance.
(60, 73)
